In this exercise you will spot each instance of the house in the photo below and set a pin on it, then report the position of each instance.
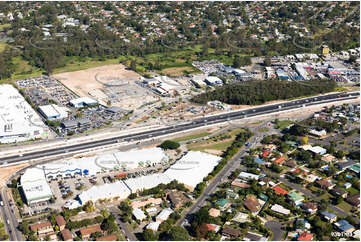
(295, 198)
(42, 228)
(86, 232)
(336, 191)
(279, 209)
(213, 227)
(223, 204)
(266, 153)
(279, 190)
(344, 226)
(252, 204)
(66, 235)
(241, 217)
(347, 185)
(111, 237)
(139, 214)
(343, 165)
(328, 158)
(301, 225)
(266, 180)
(230, 233)
(305, 237)
(164, 215)
(239, 184)
(247, 176)
(330, 217)
(153, 226)
(251, 236)
(280, 160)
(177, 198)
(318, 133)
(324, 184)
(354, 200)
(309, 207)
(291, 163)
(258, 160)
(60, 221)
(354, 168)
(213, 212)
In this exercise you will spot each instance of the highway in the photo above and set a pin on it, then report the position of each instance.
(201, 122)
(8, 216)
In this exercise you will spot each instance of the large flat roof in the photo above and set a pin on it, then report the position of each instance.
(17, 117)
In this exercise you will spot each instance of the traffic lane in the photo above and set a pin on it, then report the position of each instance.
(153, 133)
(12, 225)
(275, 227)
(129, 234)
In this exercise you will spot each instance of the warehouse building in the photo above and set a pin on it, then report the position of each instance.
(91, 165)
(192, 168)
(18, 121)
(35, 187)
(53, 111)
(117, 190)
(83, 101)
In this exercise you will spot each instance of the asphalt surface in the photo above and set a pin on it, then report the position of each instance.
(275, 227)
(9, 216)
(129, 234)
(182, 127)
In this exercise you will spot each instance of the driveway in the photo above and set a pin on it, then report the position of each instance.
(275, 227)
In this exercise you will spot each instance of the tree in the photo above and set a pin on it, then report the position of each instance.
(169, 144)
(236, 62)
(267, 61)
(149, 235)
(202, 230)
(133, 65)
(178, 233)
(304, 140)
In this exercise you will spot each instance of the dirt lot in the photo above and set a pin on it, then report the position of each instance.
(6, 172)
(91, 82)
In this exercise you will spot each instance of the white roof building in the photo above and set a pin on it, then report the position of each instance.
(80, 102)
(279, 209)
(164, 215)
(53, 111)
(92, 165)
(139, 214)
(318, 133)
(146, 182)
(248, 176)
(107, 191)
(36, 188)
(154, 226)
(18, 121)
(192, 168)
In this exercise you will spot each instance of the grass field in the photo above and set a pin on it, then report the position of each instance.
(213, 144)
(263, 130)
(345, 206)
(74, 64)
(282, 124)
(189, 137)
(2, 26)
(2, 46)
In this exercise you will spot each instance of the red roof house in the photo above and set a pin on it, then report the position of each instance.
(279, 190)
(305, 237)
(266, 153)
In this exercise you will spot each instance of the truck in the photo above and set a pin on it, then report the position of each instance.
(1, 203)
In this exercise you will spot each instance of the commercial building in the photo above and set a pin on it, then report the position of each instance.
(138, 214)
(35, 187)
(146, 182)
(164, 215)
(53, 111)
(213, 80)
(192, 168)
(91, 165)
(18, 121)
(116, 190)
(83, 101)
(154, 226)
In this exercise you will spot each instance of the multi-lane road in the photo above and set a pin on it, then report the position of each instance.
(10, 221)
(201, 122)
